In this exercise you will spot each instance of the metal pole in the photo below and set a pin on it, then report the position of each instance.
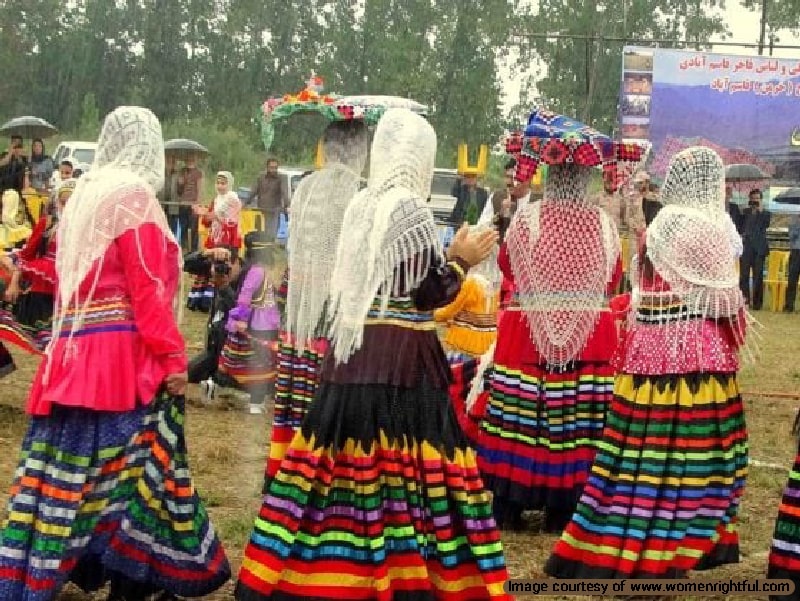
(643, 41)
(763, 27)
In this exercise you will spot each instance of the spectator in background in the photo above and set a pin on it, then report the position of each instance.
(794, 263)
(755, 221)
(169, 197)
(41, 166)
(190, 183)
(65, 172)
(504, 203)
(13, 164)
(733, 209)
(269, 196)
(650, 203)
(470, 200)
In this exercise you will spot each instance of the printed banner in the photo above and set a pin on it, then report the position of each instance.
(747, 108)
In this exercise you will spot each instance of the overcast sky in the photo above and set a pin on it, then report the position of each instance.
(744, 26)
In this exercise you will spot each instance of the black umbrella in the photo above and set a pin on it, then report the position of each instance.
(28, 128)
(788, 197)
(183, 149)
(743, 172)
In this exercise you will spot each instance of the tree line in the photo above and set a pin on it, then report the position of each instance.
(205, 66)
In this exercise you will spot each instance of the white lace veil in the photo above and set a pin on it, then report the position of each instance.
(563, 251)
(117, 195)
(318, 207)
(693, 243)
(390, 241)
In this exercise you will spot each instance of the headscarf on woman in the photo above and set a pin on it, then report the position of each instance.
(318, 210)
(117, 195)
(390, 233)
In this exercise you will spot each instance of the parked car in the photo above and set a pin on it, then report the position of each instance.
(77, 153)
(442, 200)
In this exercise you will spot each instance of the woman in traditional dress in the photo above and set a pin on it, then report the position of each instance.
(248, 355)
(34, 268)
(664, 490)
(552, 382)
(103, 491)
(318, 207)
(222, 221)
(378, 496)
(471, 331)
(13, 231)
(784, 556)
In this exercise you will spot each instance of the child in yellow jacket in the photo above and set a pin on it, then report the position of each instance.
(471, 317)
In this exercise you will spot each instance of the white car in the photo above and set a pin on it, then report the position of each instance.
(442, 201)
(77, 153)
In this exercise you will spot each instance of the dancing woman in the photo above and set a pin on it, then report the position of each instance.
(103, 491)
(318, 207)
(552, 380)
(378, 496)
(664, 490)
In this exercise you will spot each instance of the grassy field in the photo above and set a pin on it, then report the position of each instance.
(228, 449)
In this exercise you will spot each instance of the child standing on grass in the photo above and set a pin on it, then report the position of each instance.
(253, 325)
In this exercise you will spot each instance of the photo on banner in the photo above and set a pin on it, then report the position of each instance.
(747, 108)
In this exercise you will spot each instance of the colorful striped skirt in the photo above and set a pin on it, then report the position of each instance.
(540, 433)
(665, 487)
(31, 336)
(201, 294)
(298, 376)
(103, 496)
(464, 369)
(378, 499)
(784, 557)
(249, 359)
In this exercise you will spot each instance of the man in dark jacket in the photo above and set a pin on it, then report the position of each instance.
(13, 164)
(470, 200)
(755, 221)
(270, 197)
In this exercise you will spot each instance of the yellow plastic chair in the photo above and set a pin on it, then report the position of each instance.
(775, 282)
(202, 234)
(250, 220)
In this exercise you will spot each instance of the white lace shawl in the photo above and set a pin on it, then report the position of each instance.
(693, 243)
(117, 195)
(561, 283)
(389, 241)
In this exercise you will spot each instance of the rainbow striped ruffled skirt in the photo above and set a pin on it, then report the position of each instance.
(664, 491)
(378, 498)
(298, 377)
(101, 496)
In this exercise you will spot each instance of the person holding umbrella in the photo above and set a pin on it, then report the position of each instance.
(13, 164)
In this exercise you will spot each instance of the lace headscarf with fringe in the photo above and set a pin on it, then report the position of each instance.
(563, 251)
(391, 241)
(693, 243)
(116, 196)
(318, 208)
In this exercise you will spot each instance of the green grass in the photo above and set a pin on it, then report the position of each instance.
(228, 450)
